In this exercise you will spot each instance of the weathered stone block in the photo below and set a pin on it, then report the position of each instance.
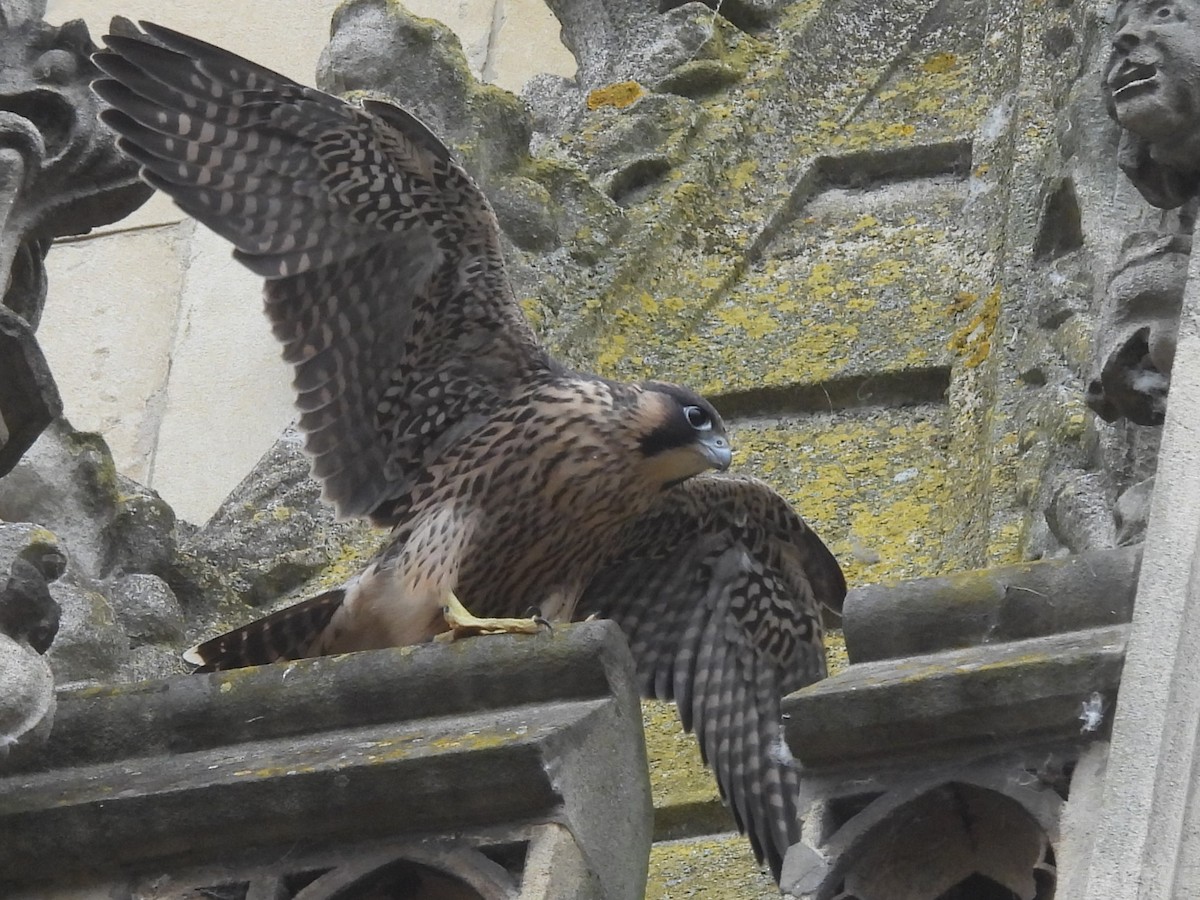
(147, 609)
(90, 644)
(889, 621)
(1004, 693)
(448, 760)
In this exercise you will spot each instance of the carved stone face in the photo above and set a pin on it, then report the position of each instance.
(1152, 80)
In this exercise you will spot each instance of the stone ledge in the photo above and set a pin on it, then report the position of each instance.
(1008, 692)
(431, 740)
(180, 715)
(925, 615)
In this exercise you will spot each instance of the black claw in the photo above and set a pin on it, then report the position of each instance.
(544, 623)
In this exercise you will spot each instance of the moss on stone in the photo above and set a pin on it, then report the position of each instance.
(716, 867)
(973, 340)
(677, 776)
(836, 657)
(619, 95)
(873, 483)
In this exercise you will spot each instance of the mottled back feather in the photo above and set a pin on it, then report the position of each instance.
(384, 277)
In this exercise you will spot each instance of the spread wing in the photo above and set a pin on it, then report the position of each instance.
(719, 590)
(384, 276)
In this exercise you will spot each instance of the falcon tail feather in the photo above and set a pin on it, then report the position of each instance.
(286, 634)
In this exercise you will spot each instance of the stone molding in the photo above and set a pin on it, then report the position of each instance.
(476, 759)
(969, 705)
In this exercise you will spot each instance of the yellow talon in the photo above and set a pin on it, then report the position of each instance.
(465, 624)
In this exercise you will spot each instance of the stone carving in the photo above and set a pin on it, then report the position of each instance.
(1152, 88)
(1138, 345)
(120, 618)
(613, 40)
(60, 174)
(29, 619)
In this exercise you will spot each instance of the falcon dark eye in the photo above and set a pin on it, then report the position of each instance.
(697, 418)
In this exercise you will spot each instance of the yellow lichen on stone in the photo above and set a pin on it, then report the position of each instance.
(836, 657)
(856, 285)
(741, 175)
(714, 867)
(532, 308)
(357, 550)
(677, 776)
(40, 535)
(973, 341)
(939, 63)
(619, 95)
(873, 484)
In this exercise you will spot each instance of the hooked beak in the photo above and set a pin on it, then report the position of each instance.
(717, 451)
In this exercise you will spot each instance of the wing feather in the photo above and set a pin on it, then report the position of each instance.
(384, 277)
(719, 589)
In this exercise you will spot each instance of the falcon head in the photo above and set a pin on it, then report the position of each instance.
(680, 434)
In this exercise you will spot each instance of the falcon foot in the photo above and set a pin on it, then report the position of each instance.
(463, 624)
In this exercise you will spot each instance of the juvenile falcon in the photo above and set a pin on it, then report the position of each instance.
(428, 405)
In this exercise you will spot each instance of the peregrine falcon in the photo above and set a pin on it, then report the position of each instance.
(428, 405)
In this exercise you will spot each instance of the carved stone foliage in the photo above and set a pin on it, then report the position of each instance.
(29, 619)
(60, 174)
